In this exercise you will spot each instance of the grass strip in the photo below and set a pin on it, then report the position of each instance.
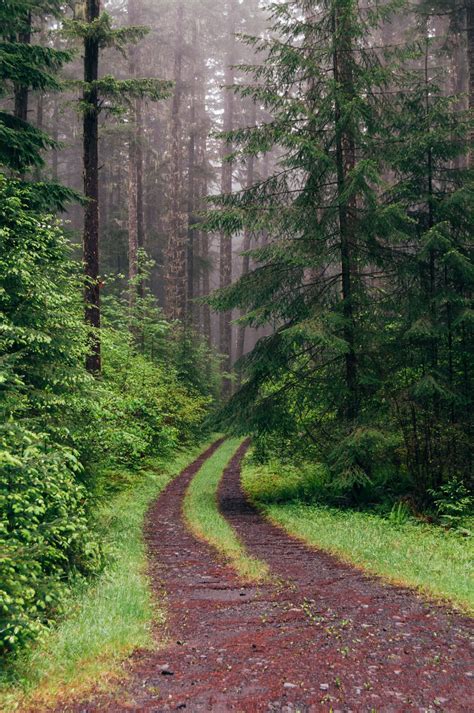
(438, 562)
(206, 522)
(107, 619)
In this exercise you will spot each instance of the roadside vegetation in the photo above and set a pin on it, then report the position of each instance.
(109, 618)
(203, 516)
(387, 541)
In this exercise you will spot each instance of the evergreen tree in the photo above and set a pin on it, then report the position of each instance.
(341, 233)
(24, 67)
(99, 94)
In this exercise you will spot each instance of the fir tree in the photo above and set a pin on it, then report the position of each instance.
(362, 187)
(101, 94)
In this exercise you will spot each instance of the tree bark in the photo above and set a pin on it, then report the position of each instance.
(345, 160)
(91, 190)
(225, 273)
(470, 59)
(192, 179)
(21, 93)
(133, 173)
(249, 180)
(177, 240)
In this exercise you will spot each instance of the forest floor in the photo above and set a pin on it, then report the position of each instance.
(318, 635)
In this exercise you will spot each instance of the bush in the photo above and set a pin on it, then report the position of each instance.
(144, 409)
(454, 503)
(44, 536)
(280, 483)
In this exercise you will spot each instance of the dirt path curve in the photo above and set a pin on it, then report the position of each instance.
(325, 638)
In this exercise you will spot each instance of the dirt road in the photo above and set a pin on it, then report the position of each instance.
(322, 637)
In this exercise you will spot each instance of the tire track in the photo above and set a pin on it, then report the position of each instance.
(324, 637)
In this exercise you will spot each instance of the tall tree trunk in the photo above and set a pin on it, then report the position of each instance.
(204, 242)
(250, 178)
(91, 189)
(55, 135)
(345, 159)
(133, 172)
(470, 58)
(21, 91)
(192, 185)
(225, 273)
(177, 240)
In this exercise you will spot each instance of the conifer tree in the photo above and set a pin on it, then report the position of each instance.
(340, 212)
(99, 94)
(25, 67)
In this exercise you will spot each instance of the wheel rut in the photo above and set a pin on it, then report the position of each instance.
(322, 636)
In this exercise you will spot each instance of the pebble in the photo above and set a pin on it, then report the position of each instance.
(324, 686)
(289, 685)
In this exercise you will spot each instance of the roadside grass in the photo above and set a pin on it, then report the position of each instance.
(108, 619)
(206, 522)
(436, 561)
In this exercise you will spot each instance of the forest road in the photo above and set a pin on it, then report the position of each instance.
(322, 637)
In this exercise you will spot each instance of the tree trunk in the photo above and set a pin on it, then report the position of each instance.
(91, 190)
(192, 192)
(177, 240)
(250, 177)
(225, 274)
(204, 242)
(345, 159)
(470, 59)
(133, 170)
(20, 90)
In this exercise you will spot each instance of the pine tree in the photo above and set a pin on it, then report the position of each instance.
(357, 169)
(99, 94)
(25, 67)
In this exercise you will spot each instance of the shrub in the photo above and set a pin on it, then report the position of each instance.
(44, 536)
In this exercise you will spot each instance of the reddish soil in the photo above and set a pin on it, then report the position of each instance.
(323, 637)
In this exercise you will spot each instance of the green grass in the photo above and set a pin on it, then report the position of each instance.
(108, 619)
(206, 522)
(437, 561)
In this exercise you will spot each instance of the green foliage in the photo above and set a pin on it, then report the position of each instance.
(44, 537)
(115, 95)
(454, 503)
(144, 409)
(363, 264)
(44, 540)
(30, 66)
(364, 460)
(42, 336)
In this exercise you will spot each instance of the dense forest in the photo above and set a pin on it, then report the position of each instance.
(240, 216)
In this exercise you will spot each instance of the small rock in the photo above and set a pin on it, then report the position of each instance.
(165, 670)
(324, 686)
(289, 685)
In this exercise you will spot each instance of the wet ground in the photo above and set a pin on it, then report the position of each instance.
(321, 637)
